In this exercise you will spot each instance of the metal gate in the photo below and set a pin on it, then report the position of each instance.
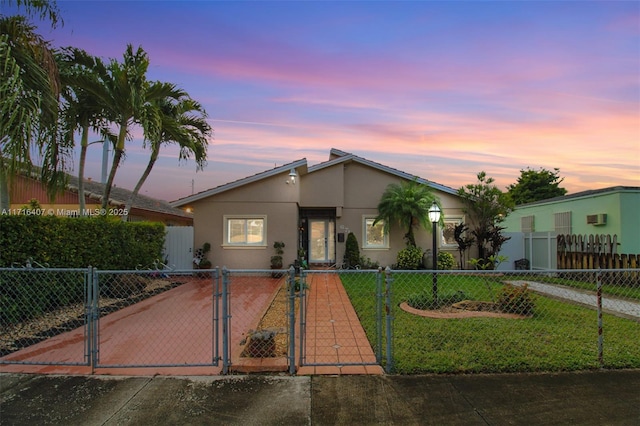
(331, 334)
(258, 320)
(177, 327)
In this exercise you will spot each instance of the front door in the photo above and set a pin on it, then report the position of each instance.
(322, 241)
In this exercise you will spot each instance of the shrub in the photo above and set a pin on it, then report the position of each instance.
(516, 300)
(445, 261)
(409, 258)
(352, 251)
(367, 263)
(63, 242)
(26, 294)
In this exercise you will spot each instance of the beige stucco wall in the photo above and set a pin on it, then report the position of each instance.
(271, 197)
(353, 189)
(323, 188)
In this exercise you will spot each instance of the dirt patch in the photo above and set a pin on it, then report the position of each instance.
(464, 309)
(275, 320)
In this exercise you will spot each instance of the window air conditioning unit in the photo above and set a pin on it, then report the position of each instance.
(597, 219)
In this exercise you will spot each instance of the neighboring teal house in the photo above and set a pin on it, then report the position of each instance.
(610, 211)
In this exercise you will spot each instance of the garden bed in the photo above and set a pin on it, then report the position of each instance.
(274, 322)
(464, 309)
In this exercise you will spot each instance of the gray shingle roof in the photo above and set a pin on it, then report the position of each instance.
(120, 196)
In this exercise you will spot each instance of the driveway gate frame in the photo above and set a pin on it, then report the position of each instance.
(94, 313)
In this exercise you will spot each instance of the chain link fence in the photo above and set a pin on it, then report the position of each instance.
(156, 318)
(483, 321)
(38, 304)
(259, 317)
(408, 321)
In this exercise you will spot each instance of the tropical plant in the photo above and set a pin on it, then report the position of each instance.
(182, 121)
(487, 206)
(464, 241)
(201, 259)
(81, 109)
(43, 9)
(29, 90)
(489, 263)
(129, 99)
(407, 204)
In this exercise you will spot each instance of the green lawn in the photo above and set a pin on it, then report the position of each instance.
(560, 336)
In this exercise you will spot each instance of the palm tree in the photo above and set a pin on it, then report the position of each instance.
(81, 109)
(407, 204)
(29, 89)
(182, 122)
(45, 9)
(127, 97)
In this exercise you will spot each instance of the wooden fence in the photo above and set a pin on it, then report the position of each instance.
(593, 252)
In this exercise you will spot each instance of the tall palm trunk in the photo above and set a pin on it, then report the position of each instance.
(117, 156)
(84, 144)
(152, 160)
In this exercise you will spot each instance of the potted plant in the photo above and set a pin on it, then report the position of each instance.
(276, 260)
(201, 257)
(300, 262)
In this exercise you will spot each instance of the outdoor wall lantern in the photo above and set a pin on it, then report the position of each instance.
(434, 217)
(292, 176)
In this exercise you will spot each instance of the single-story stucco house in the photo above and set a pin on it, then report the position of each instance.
(613, 211)
(309, 208)
(606, 212)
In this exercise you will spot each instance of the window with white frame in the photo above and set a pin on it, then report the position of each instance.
(448, 231)
(373, 236)
(245, 231)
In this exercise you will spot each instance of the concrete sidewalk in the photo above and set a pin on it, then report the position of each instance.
(584, 398)
(610, 304)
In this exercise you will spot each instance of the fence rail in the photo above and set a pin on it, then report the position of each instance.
(407, 321)
(579, 260)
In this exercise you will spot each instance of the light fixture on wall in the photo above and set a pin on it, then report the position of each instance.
(292, 176)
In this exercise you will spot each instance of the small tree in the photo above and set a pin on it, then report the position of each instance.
(464, 241)
(536, 185)
(487, 207)
(406, 203)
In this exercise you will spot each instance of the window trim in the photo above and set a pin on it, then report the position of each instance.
(246, 217)
(365, 246)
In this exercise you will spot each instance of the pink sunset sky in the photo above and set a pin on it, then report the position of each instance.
(442, 90)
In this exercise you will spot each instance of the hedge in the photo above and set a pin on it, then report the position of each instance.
(60, 242)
